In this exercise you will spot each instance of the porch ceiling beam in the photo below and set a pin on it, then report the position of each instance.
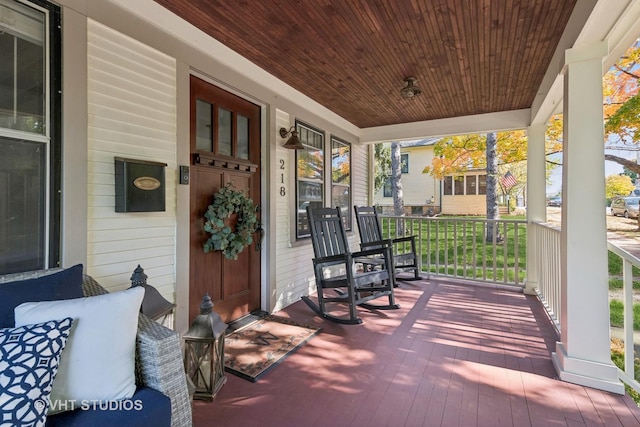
(480, 123)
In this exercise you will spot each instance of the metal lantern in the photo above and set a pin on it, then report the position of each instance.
(204, 352)
(154, 305)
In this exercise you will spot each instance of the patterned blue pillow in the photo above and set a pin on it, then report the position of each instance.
(29, 357)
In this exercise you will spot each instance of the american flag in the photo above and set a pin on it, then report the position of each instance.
(508, 180)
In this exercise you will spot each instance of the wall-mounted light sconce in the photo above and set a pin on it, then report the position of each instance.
(293, 143)
(410, 91)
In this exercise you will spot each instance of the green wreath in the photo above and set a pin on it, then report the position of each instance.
(227, 202)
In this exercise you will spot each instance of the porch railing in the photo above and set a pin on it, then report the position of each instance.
(458, 247)
(547, 238)
(628, 374)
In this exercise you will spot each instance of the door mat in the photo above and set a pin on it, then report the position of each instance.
(252, 350)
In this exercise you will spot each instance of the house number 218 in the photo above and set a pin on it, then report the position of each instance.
(283, 191)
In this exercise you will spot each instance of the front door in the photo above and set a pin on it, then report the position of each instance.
(225, 149)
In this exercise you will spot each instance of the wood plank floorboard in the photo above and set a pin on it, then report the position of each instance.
(452, 355)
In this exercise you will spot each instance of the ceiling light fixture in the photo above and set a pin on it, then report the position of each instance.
(293, 143)
(410, 91)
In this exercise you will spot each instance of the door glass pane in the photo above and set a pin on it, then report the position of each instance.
(243, 137)
(204, 140)
(22, 72)
(22, 206)
(224, 132)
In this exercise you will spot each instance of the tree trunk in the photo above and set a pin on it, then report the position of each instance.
(396, 181)
(492, 187)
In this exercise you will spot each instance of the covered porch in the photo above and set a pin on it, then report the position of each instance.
(454, 354)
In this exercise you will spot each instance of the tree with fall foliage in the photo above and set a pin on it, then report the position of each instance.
(622, 106)
(456, 154)
(618, 185)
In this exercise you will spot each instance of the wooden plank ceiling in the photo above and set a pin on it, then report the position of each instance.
(469, 57)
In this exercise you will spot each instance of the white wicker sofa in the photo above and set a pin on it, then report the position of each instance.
(158, 363)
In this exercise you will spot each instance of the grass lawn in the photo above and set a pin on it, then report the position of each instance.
(616, 311)
(457, 246)
(615, 283)
(617, 357)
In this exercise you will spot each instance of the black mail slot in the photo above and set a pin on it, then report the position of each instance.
(139, 185)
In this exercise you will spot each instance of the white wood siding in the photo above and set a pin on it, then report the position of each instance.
(294, 275)
(131, 114)
(418, 187)
(464, 205)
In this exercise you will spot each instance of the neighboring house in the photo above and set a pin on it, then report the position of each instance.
(421, 192)
(465, 194)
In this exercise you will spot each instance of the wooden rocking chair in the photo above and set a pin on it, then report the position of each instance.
(336, 270)
(405, 256)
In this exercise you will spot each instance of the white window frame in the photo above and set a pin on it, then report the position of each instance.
(43, 138)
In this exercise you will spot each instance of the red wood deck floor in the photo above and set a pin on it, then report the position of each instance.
(453, 355)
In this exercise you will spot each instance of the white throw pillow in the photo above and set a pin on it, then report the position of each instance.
(98, 362)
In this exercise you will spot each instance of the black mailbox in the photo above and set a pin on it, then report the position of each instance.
(139, 185)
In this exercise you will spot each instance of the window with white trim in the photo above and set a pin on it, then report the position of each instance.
(341, 179)
(458, 185)
(471, 185)
(30, 103)
(482, 184)
(309, 175)
(447, 183)
(404, 163)
(314, 176)
(387, 188)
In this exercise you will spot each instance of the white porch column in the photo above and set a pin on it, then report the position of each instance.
(583, 354)
(536, 199)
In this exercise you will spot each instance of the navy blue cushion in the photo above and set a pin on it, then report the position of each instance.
(29, 357)
(146, 408)
(65, 284)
